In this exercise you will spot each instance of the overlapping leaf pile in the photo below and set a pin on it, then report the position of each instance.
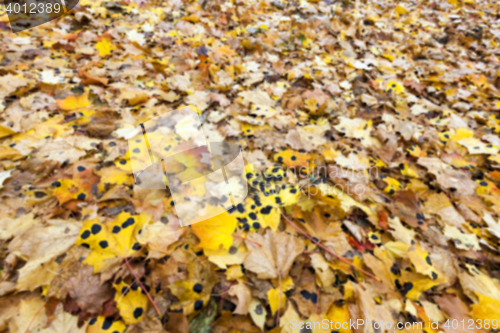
(371, 125)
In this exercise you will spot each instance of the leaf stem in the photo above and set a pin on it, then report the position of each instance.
(248, 240)
(33, 319)
(135, 254)
(225, 291)
(143, 288)
(328, 250)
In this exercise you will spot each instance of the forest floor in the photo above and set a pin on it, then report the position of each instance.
(370, 133)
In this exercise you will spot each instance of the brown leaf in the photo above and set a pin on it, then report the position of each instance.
(88, 292)
(274, 256)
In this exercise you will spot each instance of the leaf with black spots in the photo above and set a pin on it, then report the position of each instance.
(194, 292)
(105, 325)
(131, 301)
(113, 239)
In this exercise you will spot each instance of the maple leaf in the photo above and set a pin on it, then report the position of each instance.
(275, 256)
(114, 239)
(71, 102)
(131, 302)
(194, 292)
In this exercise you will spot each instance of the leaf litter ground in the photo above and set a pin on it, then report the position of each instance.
(370, 136)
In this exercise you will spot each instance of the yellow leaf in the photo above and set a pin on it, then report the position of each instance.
(339, 314)
(195, 291)
(115, 176)
(131, 301)
(422, 262)
(415, 151)
(412, 285)
(290, 316)
(312, 105)
(104, 47)
(393, 185)
(226, 257)
(395, 86)
(67, 189)
(476, 146)
(407, 170)
(113, 239)
(486, 309)
(191, 18)
(401, 10)
(216, 232)
(105, 325)
(273, 295)
(72, 102)
(8, 153)
(5, 131)
(234, 272)
(258, 313)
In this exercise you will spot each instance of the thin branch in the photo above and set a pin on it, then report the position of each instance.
(33, 319)
(135, 254)
(248, 240)
(143, 288)
(225, 291)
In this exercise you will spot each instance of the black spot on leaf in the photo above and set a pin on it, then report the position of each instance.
(198, 288)
(266, 210)
(85, 234)
(107, 323)
(138, 312)
(305, 294)
(130, 221)
(406, 288)
(314, 298)
(198, 305)
(395, 269)
(96, 228)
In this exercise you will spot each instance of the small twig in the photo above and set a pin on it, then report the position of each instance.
(134, 255)
(33, 319)
(248, 240)
(142, 286)
(328, 250)
(225, 291)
